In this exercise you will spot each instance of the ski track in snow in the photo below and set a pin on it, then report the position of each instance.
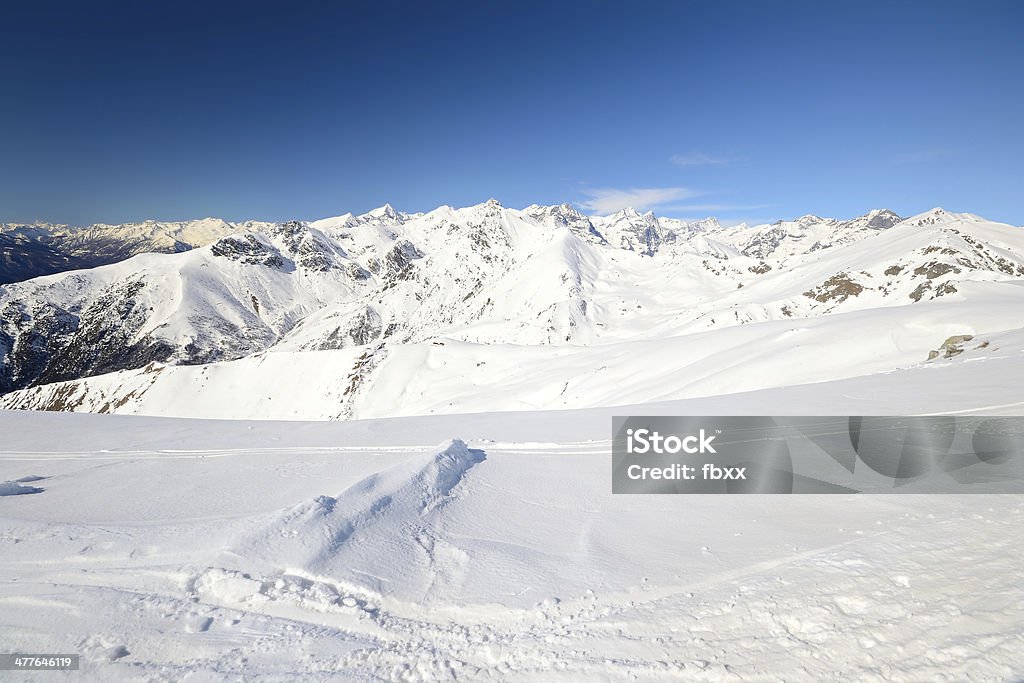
(461, 563)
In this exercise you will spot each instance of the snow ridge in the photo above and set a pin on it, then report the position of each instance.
(328, 536)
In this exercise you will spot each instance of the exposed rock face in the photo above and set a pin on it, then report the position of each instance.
(398, 261)
(934, 270)
(836, 289)
(564, 215)
(308, 250)
(248, 249)
(364, 327)
(761, 246)
(49, 344)
(926, 287)
(953, 346)
(880, 220)
(643, 233)
(356, 271)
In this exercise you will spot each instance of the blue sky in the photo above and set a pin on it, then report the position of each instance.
(744, 110)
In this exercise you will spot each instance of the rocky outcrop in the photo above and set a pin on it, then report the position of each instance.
(47, 343)
(398, 262)
(953, 346)
(360, 329)
(308, 250)
(835, 290)
(248, 249)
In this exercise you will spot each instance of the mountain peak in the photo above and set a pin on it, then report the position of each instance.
(561, 210)
(386, 211)
(709, 223)
(879, 219)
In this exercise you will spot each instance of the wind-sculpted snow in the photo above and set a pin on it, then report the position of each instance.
(387, 529)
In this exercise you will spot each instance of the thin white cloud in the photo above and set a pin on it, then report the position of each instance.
(609, 200)
(716, 207)
(699, 159)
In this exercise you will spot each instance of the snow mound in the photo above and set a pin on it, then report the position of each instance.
(385, 528)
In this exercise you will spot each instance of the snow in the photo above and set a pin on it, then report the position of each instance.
(459, 377)
(478, 547)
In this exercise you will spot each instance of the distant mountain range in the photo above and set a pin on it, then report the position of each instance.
(539, 307)
(31, 250)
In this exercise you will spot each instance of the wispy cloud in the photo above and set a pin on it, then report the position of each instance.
(700, 159)
(716, 207)
(609, 200)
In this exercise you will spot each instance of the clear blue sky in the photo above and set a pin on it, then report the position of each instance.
(744, 110)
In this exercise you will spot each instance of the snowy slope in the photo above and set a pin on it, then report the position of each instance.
(459, 377)
(489, 547)
(233, 297)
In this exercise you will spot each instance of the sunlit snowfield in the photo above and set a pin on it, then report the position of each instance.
(485, 547)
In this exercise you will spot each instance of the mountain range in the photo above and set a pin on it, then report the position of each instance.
(486, 308)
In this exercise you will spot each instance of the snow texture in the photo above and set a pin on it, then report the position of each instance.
(169, 549)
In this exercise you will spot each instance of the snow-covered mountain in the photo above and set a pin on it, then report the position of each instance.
(393, 313)
(36, 249)
(32, 250)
